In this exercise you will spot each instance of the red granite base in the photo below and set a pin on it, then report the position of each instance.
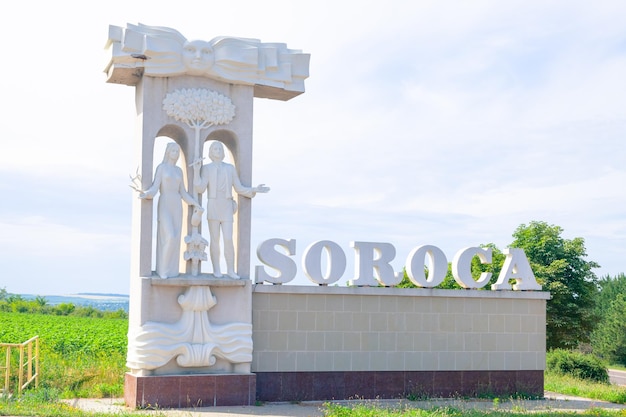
(318, 386)
(184, 391)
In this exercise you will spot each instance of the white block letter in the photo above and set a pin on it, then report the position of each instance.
(312, 262)
(462, 267)
(373, 258)
(416, 262)
(286, 267)
(517, 267)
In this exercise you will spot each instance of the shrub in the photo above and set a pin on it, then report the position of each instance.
(576, 364)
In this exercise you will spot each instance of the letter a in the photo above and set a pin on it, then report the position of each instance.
(517, 267)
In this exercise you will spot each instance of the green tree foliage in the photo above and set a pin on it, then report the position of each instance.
(39, 305)
(41, 301)
(609, 338)
(560, 267)
(448, 283)
(65, 309)
(610, 288)
(497, 260)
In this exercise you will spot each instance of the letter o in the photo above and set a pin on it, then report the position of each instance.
(312, 262)
(415, 263)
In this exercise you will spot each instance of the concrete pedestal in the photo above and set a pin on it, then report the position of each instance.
(185, 391)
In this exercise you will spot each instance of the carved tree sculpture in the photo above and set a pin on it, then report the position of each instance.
(198, 108)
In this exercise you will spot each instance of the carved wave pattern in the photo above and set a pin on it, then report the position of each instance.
(194, 341)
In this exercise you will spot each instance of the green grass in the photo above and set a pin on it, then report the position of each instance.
(44, 403)
(84, 375)
(366, 410)
(568, 385)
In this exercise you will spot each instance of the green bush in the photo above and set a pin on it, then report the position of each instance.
(576, 364)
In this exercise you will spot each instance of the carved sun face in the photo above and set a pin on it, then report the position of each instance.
(197, 56)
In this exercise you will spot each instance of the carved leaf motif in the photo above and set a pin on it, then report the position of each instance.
(195, 106)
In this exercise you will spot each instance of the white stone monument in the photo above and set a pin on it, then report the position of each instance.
(185, 324)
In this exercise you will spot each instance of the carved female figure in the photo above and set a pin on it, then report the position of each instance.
(168, 182)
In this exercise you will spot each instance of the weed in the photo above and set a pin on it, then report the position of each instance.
(496, 403)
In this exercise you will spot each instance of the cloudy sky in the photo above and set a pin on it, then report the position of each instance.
(424, 122)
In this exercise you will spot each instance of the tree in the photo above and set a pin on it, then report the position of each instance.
(64, 309)
(560, 267)
(610, 288)
(609, 338)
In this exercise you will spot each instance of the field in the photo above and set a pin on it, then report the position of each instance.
(80, 356)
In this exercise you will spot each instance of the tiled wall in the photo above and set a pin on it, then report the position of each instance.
(353, 329)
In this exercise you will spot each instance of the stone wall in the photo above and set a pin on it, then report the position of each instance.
(315, 343)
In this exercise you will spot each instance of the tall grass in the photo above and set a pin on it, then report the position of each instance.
(84, 375)
(365, 410)
(569, 385)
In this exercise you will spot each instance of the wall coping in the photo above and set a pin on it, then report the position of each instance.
(398, 292)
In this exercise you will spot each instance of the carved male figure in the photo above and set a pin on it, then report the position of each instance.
(219, 178)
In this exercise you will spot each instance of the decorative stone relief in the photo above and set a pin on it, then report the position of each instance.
(194, 341)
(198, 108)
(196, 244)
(138, 50)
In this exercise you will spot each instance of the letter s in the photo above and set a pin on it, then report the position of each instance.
(286, 267)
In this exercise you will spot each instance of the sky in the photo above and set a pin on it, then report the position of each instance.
(447, 123)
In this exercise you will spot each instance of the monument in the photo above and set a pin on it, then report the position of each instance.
(210, 336)
(190, 332)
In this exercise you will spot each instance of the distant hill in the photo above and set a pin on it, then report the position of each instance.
(103, 294)
(105, 302)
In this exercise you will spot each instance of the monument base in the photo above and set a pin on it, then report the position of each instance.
(321, 386)
(185, 391)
